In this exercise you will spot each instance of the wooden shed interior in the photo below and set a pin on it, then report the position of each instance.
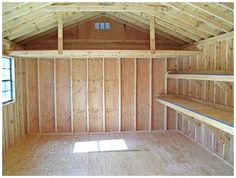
(118, 88)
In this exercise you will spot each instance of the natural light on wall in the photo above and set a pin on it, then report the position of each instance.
(101, 145)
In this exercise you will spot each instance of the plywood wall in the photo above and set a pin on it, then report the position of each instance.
(217, 55)
(14, 114)
(85, 36)
(92, 95)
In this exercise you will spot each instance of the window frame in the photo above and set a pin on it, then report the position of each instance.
(12, 80)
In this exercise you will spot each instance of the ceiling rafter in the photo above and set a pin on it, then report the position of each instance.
(68, 21)
(143, 21)
(24, 10)
(145, 28)
(185, 36)
(214, 10)
(198, 14)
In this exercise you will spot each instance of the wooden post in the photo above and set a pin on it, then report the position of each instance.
(150, 95)
(165, 92)
(60, 34)
(55, 93)
(71, 98)
(135, 94)
(120, 97)
(39, 96)
(87, 92)
(104, 95)
(27, 95)
(152, 34)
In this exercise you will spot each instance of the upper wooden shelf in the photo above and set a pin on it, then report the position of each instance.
(104, 53)
(203, 75)
(215, 117)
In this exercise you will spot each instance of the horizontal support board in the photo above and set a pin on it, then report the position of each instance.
(104, 53)
(210, 77)
(220, 119)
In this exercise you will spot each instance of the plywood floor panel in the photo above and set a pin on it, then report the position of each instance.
(150, 153)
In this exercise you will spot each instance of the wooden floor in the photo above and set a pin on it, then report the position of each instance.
(155, 153)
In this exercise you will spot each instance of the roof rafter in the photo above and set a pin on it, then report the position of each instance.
(196, 13)
(213, 9)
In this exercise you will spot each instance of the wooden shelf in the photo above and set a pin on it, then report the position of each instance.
(202, 75)
(215, 117)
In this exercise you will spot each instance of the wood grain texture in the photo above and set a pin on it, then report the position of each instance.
(158, 88)
(79, 84)
(95, 96)
(146, 154)
(112, 94)
(63, 95)
(33, 96)
(47, 96)
(143, 112)
(127, 95)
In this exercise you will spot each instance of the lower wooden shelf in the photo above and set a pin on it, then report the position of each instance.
(215, 117)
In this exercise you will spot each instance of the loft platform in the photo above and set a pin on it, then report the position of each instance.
(104, 53)
(218, 118)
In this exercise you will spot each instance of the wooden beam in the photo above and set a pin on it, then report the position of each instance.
(71, 98)
(104, 53)
(55, 92)
(87, 93)
(60, 34)
(113, 7)
(166, 27)
(120, 95)
(44, 27)
(150, 94)
(23, 11)
(193, 12)
(39, 96)
(213, 9)
(152, 34)
(104, 94)
(135, 94)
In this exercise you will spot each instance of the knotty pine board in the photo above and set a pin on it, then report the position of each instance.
(127, 122)
(158, 79)
(32, 98)
(143, 78)
(79, 84)
(46, 71)
(95, 94)
(63, 103)
(112, 94)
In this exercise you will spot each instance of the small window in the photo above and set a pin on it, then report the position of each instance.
(107, 25)
(102, 26)
(7, 80)
(97, 26)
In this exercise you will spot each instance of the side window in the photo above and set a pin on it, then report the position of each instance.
(7, 80)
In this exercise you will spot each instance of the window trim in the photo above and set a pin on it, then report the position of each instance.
(12, 80)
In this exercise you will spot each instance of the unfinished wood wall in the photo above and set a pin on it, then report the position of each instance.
(14, 114)
(92, 95)
(85, 36)
(217, 55)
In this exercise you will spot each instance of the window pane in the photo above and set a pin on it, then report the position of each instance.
(107, 25)
(6, 85)
(6, 74)
(102, 26)
(5, 63)
(96, 26)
